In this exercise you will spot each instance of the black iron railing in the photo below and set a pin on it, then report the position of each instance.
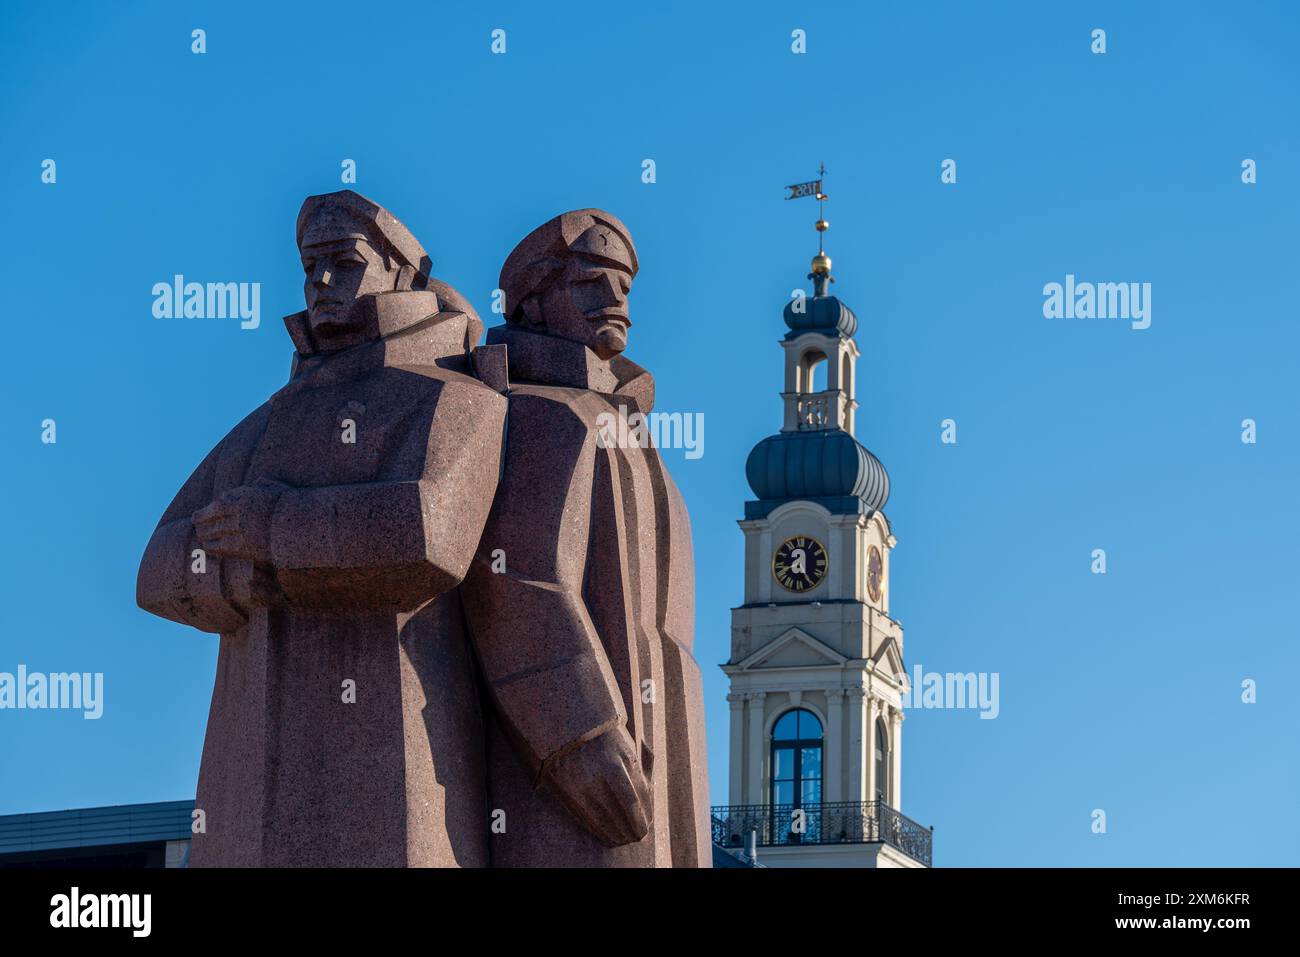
(841, 822)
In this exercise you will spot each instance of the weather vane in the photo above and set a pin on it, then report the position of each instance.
(821, 262)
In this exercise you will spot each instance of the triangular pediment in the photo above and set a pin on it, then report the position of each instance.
(888, 658)
(794, 648)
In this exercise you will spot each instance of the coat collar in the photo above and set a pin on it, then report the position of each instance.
(384, 315)
(406, 328)
(550, 360)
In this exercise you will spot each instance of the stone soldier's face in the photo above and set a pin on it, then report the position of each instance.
(338, 275)
(588, 303)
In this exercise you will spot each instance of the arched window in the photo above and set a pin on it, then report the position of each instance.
(797, 760)
(882, 763)
(808, 371)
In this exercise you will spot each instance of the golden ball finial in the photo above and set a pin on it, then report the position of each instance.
(821, 263)
(821, 225)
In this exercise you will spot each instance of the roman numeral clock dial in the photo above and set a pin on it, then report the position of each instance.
(800, 563)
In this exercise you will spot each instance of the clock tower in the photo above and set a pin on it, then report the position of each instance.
(816, 668)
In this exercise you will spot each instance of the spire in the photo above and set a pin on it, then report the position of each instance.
(821, 263)
(824, 311)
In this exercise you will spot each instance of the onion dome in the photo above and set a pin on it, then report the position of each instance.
(821, 314)
(816, 465)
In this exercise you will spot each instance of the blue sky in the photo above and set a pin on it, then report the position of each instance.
(1120, 692)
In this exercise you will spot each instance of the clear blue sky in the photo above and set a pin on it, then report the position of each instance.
(1119, 692)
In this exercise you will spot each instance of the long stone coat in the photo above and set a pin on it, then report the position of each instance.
(590, 622)
(368, 542)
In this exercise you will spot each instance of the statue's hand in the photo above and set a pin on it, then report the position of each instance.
(238, 524)
(249, 585)
(602, 785)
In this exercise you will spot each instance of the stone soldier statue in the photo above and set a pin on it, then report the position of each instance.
(580, 602)
(323, 539)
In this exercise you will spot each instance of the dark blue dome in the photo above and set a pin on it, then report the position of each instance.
(823, 314)
(824, 464)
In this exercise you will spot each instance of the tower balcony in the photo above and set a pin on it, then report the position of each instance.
(817, 411)
(840, 822)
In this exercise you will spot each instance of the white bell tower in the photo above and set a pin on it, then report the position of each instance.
(816, 668)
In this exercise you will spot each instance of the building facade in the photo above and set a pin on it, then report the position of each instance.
(122, 836)
(816, 666)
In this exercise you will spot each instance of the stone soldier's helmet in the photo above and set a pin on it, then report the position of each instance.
(346, 214)
(540, 256)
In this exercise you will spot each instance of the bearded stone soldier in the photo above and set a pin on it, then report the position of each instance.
(580, 601)
(323, 539)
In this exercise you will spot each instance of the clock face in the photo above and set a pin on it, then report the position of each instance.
(875, 571)
(800, 563)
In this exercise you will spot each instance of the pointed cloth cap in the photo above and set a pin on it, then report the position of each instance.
(349, 215)
(592, 233)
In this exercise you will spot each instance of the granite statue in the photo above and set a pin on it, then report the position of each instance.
(455, 620)
(323, 539)
(596, 748)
